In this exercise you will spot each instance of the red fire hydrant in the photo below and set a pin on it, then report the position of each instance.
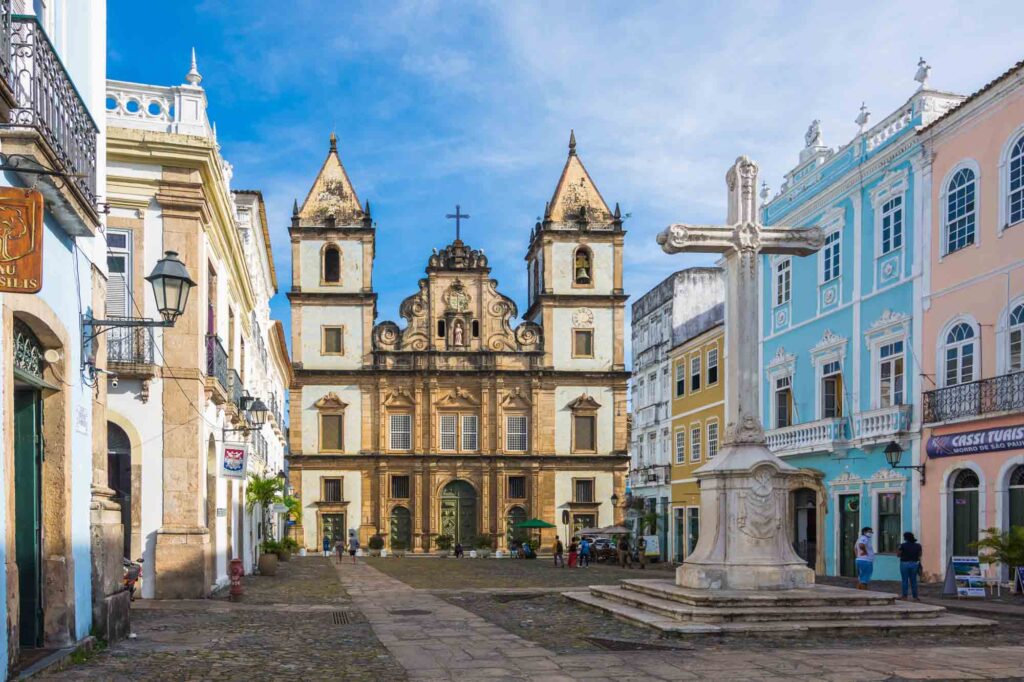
(235, 572)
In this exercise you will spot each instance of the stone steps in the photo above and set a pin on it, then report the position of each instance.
(758, 613)
(820, 609)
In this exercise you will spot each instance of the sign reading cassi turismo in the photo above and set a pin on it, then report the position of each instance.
(21, 240)
(233, 461)
(976, 442)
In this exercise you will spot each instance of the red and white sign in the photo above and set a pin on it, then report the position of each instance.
(233, 460)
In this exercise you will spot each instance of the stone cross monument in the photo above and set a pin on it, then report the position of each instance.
(744, 531)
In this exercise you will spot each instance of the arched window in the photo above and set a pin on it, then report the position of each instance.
(965, 512)
(961, 211)
(1016, 493)
(960, 352)
(583, 267)
(1015, 183)
(332, 264)
(1016, 339)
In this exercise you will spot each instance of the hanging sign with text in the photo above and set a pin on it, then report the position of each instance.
(977, 442)
(21, 240)
(233, 461)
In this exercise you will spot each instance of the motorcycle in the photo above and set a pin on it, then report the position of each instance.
(132, 574)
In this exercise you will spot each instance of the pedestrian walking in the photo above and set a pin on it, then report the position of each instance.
(339, 548)
(864, 552)
(624, 559)
(641, 550)
(573, 552)
(327, 546)
(584, 553)
(353, 546)
(559, 550)
(910, 564)
(458, 550)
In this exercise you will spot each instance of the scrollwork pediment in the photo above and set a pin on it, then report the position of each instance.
(330, 401)
(516, 398)
(458, 397)
(584, 403)
(399, 397)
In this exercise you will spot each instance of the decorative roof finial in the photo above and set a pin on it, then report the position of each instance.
(572, 142)
(295, 207)
(193, 76)
(764, 191)
(334, 142)
(618, 214)
(367, 209)
(923, 72)
(863, 117)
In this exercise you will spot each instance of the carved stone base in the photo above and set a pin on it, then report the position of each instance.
(744, 543)
(182, 565)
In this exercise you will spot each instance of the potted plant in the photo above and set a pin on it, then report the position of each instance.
(261, 492)
(483, 546)
(398, 548)
(444, 544)
(1004, 547)
(288, 546)
(376, 544)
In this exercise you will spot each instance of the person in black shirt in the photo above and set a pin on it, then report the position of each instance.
(910, 564)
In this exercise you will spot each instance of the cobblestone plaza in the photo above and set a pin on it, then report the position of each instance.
(443, 619)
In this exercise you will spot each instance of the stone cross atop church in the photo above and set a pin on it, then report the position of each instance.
(742, 241)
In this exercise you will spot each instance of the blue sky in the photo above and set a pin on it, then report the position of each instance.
(438, 103)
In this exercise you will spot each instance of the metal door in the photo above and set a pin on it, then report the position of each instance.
(458, 511)
(28, 459)
(849, 531)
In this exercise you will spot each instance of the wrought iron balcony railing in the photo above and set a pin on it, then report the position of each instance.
(5, 41)
(259, 447)
(999, 394)
(235, 389)
(129, 345)
(46, 100)
(216, 360)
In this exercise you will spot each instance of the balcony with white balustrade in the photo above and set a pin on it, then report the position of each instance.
(884, 424)
(824, 435)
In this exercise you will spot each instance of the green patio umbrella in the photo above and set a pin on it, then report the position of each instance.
(535, 523)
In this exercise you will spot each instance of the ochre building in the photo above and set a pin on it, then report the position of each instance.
(457, 421)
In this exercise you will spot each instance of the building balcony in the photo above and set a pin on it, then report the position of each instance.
(259, 449)
(882, 424)
(130, 351)
(216, 369)
(236, 391)
(49, 126)
(963, 402)
(824, 435)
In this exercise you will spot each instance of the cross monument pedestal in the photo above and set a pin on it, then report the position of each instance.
(744, 492)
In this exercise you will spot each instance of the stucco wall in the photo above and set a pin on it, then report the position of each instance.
(351, 491)
(311, 422)
(351, 266)
(603, 489)
(313, 318)
(604, 340)
(563, 274)
(563, 417)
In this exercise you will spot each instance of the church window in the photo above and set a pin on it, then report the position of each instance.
(401, 432)
(712, 439)
(712, 366)
(1016, 183)
(400, 487)
(475, 326)
(332, 341)
(332, 491)
(960, 354)
(830, 257)
(892, 224)
(331, 433)
(783, 281)
(831, 390)
(583, 490)
(584, 436)
(583, 267)
(583, 343)
(517, 487)
(1016, 339)
(783, 401)
(449, 422)
(695, 373)
(695, 443)
(681, 446)
(440, 329)
(469, 432)
(961, 213)
(332, 264)
(515, 433)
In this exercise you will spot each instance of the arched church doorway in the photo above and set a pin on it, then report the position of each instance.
(119, 478)
(458, 511)
(805, 525)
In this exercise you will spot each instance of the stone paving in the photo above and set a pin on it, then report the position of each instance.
(486, 628)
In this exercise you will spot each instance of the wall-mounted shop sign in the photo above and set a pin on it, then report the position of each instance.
(233, 461)
(977, 442)
(21, 240)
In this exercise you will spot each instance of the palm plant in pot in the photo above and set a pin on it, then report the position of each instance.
(444, 544)
(261, 492)
(483, 546)
(376, 544)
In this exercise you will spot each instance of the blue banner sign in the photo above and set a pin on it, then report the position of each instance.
(977, 442)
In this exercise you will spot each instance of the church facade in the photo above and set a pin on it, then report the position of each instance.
(457, 421)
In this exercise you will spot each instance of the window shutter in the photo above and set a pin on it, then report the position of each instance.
(117, 295)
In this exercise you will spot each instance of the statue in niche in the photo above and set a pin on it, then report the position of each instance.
(457, 334)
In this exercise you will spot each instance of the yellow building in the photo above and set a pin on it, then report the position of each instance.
(698, 419)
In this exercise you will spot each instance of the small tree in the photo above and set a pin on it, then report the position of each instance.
(649, 521)
(261, 492)
(1004, 547)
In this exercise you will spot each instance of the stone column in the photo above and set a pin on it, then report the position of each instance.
(182, 545)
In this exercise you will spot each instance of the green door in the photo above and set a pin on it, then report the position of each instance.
(28, 458)
(334, 528)
(401, 527)
(849, 531)
(680, 535)
(458, 511)
(965, 522)
(692, 529)
(1016, 507)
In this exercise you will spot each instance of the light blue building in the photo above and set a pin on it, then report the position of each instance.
(841, 334)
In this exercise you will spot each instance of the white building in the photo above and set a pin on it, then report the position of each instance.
(184, 391)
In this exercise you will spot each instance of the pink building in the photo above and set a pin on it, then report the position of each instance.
(973, 321)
